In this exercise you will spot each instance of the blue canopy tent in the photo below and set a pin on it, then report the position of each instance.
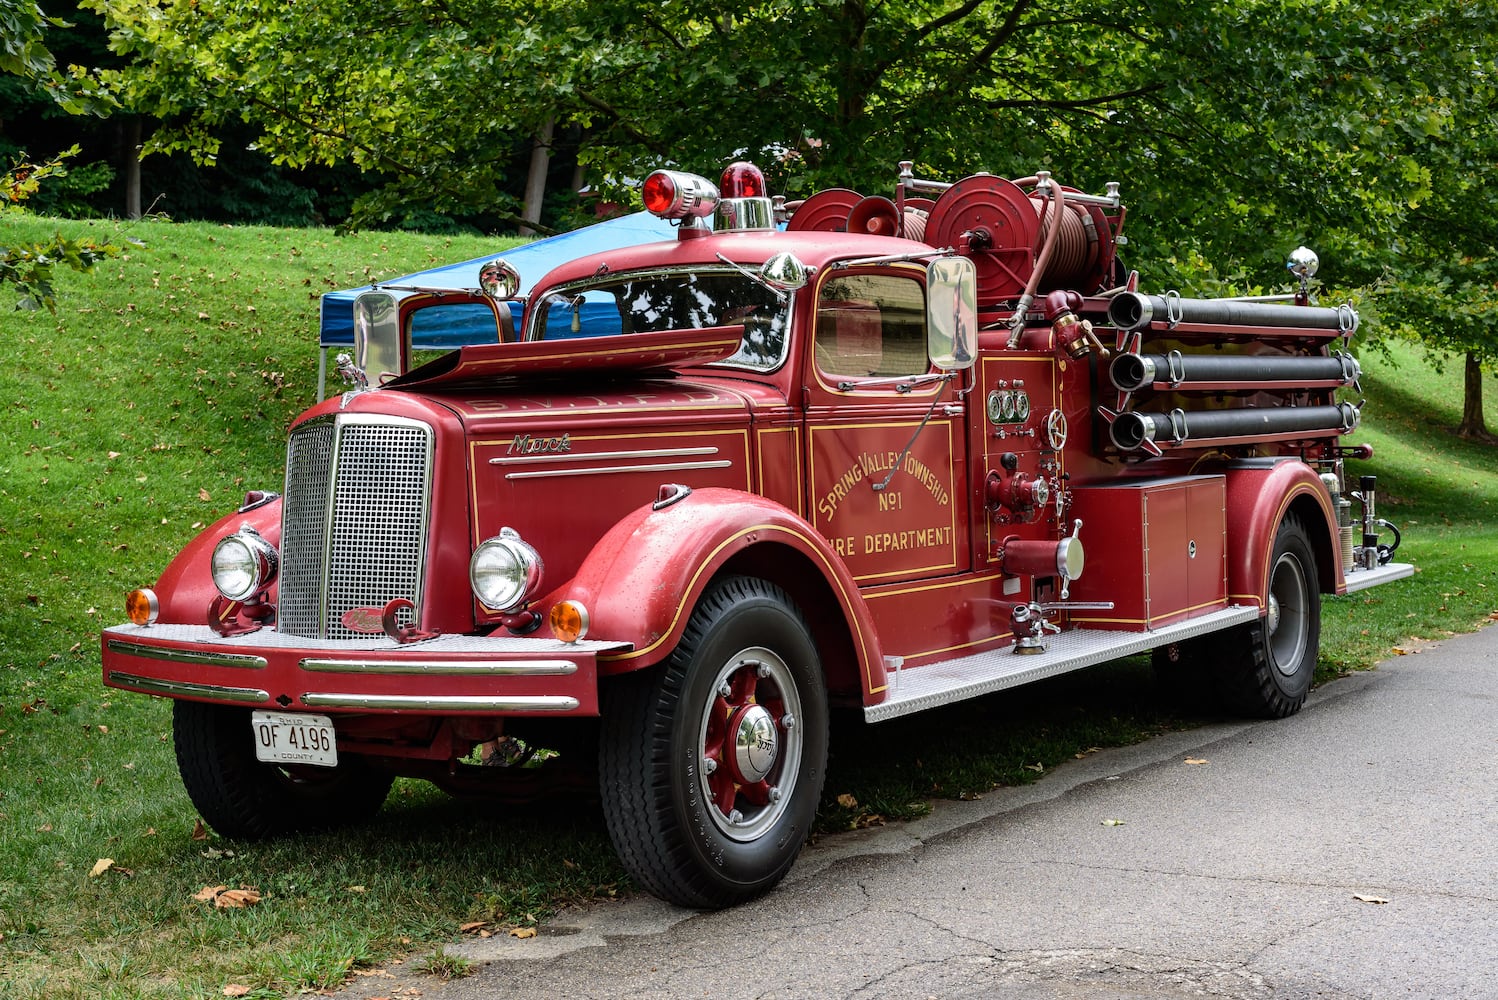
(532, 260)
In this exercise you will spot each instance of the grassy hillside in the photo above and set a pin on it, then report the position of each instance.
(161, 391)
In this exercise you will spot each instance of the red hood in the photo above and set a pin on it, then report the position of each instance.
(492, 364)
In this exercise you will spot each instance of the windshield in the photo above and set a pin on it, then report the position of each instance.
(654, 301)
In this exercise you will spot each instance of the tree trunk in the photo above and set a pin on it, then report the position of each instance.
(535, 181)
(132, 168)
(1473, 424)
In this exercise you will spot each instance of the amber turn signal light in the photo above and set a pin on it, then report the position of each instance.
(569, 621)
(141, 606)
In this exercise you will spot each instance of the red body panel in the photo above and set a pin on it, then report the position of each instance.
(1161, 553)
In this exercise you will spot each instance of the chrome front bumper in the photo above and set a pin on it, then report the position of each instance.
(446, 675)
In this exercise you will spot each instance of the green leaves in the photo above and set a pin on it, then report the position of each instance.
(1237, 129)
(29, 266)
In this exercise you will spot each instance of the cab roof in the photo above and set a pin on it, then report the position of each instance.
(815, 249)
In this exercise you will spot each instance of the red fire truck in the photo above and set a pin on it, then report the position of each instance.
(847, 451)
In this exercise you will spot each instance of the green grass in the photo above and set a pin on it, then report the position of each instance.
(162, 390)
(444, 966)
(1442, 492)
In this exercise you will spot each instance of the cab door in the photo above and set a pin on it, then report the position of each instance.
(887, 492)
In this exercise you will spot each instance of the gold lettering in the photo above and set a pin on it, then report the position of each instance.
(900, 541)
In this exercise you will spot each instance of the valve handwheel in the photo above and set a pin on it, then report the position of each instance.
(1055, 429)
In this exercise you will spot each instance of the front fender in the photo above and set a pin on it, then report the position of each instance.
(1258, 498)
(185, 588)
(642, 579)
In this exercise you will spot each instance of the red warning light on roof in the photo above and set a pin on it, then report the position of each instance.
(671, 194)
(742, 180)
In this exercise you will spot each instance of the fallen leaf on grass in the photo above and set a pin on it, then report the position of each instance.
(100, 867)
(199, 831)
(236, 990)
(847, 801)
(1037, 767)
(522, 932)
(225, 898)
(237, 899)
(472, 926)
(1368, 899)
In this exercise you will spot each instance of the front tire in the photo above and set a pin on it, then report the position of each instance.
(711, 765)
(247, 799)
(1269, 664)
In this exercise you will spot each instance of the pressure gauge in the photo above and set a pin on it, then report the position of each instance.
(1021, 406)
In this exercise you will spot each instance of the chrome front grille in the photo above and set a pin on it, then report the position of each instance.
(353, 521)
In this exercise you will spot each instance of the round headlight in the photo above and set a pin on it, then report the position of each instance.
(244, 564)
(504, 571)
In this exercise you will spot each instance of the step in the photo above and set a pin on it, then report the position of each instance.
(916, 689)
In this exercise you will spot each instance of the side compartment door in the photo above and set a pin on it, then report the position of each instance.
(889, 494)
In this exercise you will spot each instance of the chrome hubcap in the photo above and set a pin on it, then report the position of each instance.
(756, 744)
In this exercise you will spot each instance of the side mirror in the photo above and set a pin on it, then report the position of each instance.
(381, 347)
(952, 313)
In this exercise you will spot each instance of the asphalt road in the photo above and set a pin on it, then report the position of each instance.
(1346, 852)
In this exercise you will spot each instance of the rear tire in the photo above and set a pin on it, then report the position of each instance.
(1269, 664)
(711, 764)
(246, 799)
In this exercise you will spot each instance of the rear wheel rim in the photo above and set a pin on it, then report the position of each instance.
(1287, 626)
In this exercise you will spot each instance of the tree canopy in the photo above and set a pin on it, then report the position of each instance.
(1244, 124)
(1236, 129)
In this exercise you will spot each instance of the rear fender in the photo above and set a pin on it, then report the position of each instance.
(644, 577)
(1258, 499)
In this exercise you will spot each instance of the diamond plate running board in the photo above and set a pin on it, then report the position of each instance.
(919, 688)
(1362, 579)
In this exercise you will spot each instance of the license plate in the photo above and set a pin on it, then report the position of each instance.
(294, 738)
